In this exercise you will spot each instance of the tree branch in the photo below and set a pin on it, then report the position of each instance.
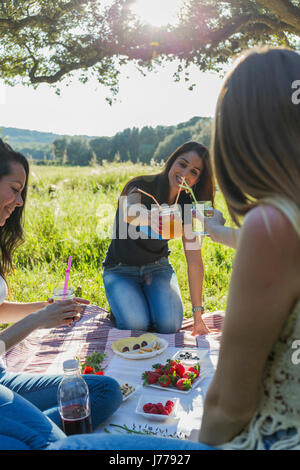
(284, 10)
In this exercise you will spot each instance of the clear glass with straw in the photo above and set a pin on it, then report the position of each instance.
(203, 209)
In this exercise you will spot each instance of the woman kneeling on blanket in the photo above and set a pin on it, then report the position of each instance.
(27, 401)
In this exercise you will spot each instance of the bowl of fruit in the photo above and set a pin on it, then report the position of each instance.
(172, 375)
(158, 408)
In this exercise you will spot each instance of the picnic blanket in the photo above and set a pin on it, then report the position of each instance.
(44, 351)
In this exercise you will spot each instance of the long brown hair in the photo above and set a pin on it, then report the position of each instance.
(11, 234)
(256, 131)
(204, 189)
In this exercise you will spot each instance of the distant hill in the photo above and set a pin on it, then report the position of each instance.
(25, 136)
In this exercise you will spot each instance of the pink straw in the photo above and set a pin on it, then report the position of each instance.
(67, 277)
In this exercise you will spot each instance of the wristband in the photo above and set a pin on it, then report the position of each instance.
(198, 309)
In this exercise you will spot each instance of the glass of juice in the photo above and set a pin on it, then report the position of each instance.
(204, 209)
(170, 222)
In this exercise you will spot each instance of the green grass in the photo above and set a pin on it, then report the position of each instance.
(69, 211)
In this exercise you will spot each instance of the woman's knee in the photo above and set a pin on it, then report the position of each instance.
(105, 397)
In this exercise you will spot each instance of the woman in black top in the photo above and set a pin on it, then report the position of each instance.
(140, 283)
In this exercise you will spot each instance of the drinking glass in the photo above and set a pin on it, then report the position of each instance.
(170, 222)
(204, 209)
(58, 294)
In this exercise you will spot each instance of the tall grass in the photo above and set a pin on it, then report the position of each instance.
(69, 211)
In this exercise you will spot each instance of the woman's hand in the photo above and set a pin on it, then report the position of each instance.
(199, 327)
(212, 224)
(60, 313)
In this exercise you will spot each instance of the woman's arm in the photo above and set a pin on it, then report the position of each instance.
(218, 232)
(263, 290)
(12, 312)
(195, 277)
(54, 314)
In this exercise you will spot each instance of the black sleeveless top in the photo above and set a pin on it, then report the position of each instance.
(143, 249)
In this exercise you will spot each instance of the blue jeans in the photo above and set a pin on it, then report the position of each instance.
(144, 297)
(29, 411)
(117, 442)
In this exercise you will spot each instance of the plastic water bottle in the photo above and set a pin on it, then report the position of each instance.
(74, 401)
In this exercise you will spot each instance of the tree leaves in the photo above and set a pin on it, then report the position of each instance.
(47, 41)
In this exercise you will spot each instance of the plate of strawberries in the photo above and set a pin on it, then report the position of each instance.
(159, 408)
(172, 375)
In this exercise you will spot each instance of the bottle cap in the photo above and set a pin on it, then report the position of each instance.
(70, 364)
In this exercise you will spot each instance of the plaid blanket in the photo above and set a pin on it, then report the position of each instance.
(44, 351)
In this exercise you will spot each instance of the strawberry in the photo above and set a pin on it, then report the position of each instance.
(180, 369)
(195, 369)
(159, 368)
(170, 403)
(160, 408)
(147, 407)
(88, 370)
(153, 410)
(150, 377)
(184, 384)
(189, 375)
(164, 380)
(169, 406)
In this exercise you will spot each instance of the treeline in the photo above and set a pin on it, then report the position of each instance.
(135, 145)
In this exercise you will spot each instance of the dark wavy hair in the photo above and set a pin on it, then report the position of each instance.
(204, 189)
(11, 234)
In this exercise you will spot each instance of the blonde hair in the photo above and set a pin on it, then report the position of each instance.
(256, 131)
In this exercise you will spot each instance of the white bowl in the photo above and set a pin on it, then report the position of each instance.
(136, 389)
(153, 398)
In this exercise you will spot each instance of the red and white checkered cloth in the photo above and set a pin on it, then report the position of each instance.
(44, 351)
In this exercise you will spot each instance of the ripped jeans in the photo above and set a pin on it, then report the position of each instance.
(144, 297)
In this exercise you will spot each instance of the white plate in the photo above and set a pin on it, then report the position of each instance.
(203, 375)
(136, 355)
(195, 356)
(131, 393)
(150, 398)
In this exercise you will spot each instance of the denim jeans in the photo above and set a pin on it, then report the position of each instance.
(29, 411)
(144, 297)
(123, 442)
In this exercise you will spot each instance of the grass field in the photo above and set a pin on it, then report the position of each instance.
(69, 211)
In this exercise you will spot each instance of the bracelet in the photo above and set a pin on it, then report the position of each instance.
(198, 309)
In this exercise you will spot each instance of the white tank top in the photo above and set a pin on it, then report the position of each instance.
(3, 295)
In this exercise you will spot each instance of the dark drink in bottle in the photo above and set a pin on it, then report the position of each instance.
(75, 420)
(74, 401)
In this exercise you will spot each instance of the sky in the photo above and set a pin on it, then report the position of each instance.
(81, 109)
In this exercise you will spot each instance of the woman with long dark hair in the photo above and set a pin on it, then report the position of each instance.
(140, 283)
(29, 416)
